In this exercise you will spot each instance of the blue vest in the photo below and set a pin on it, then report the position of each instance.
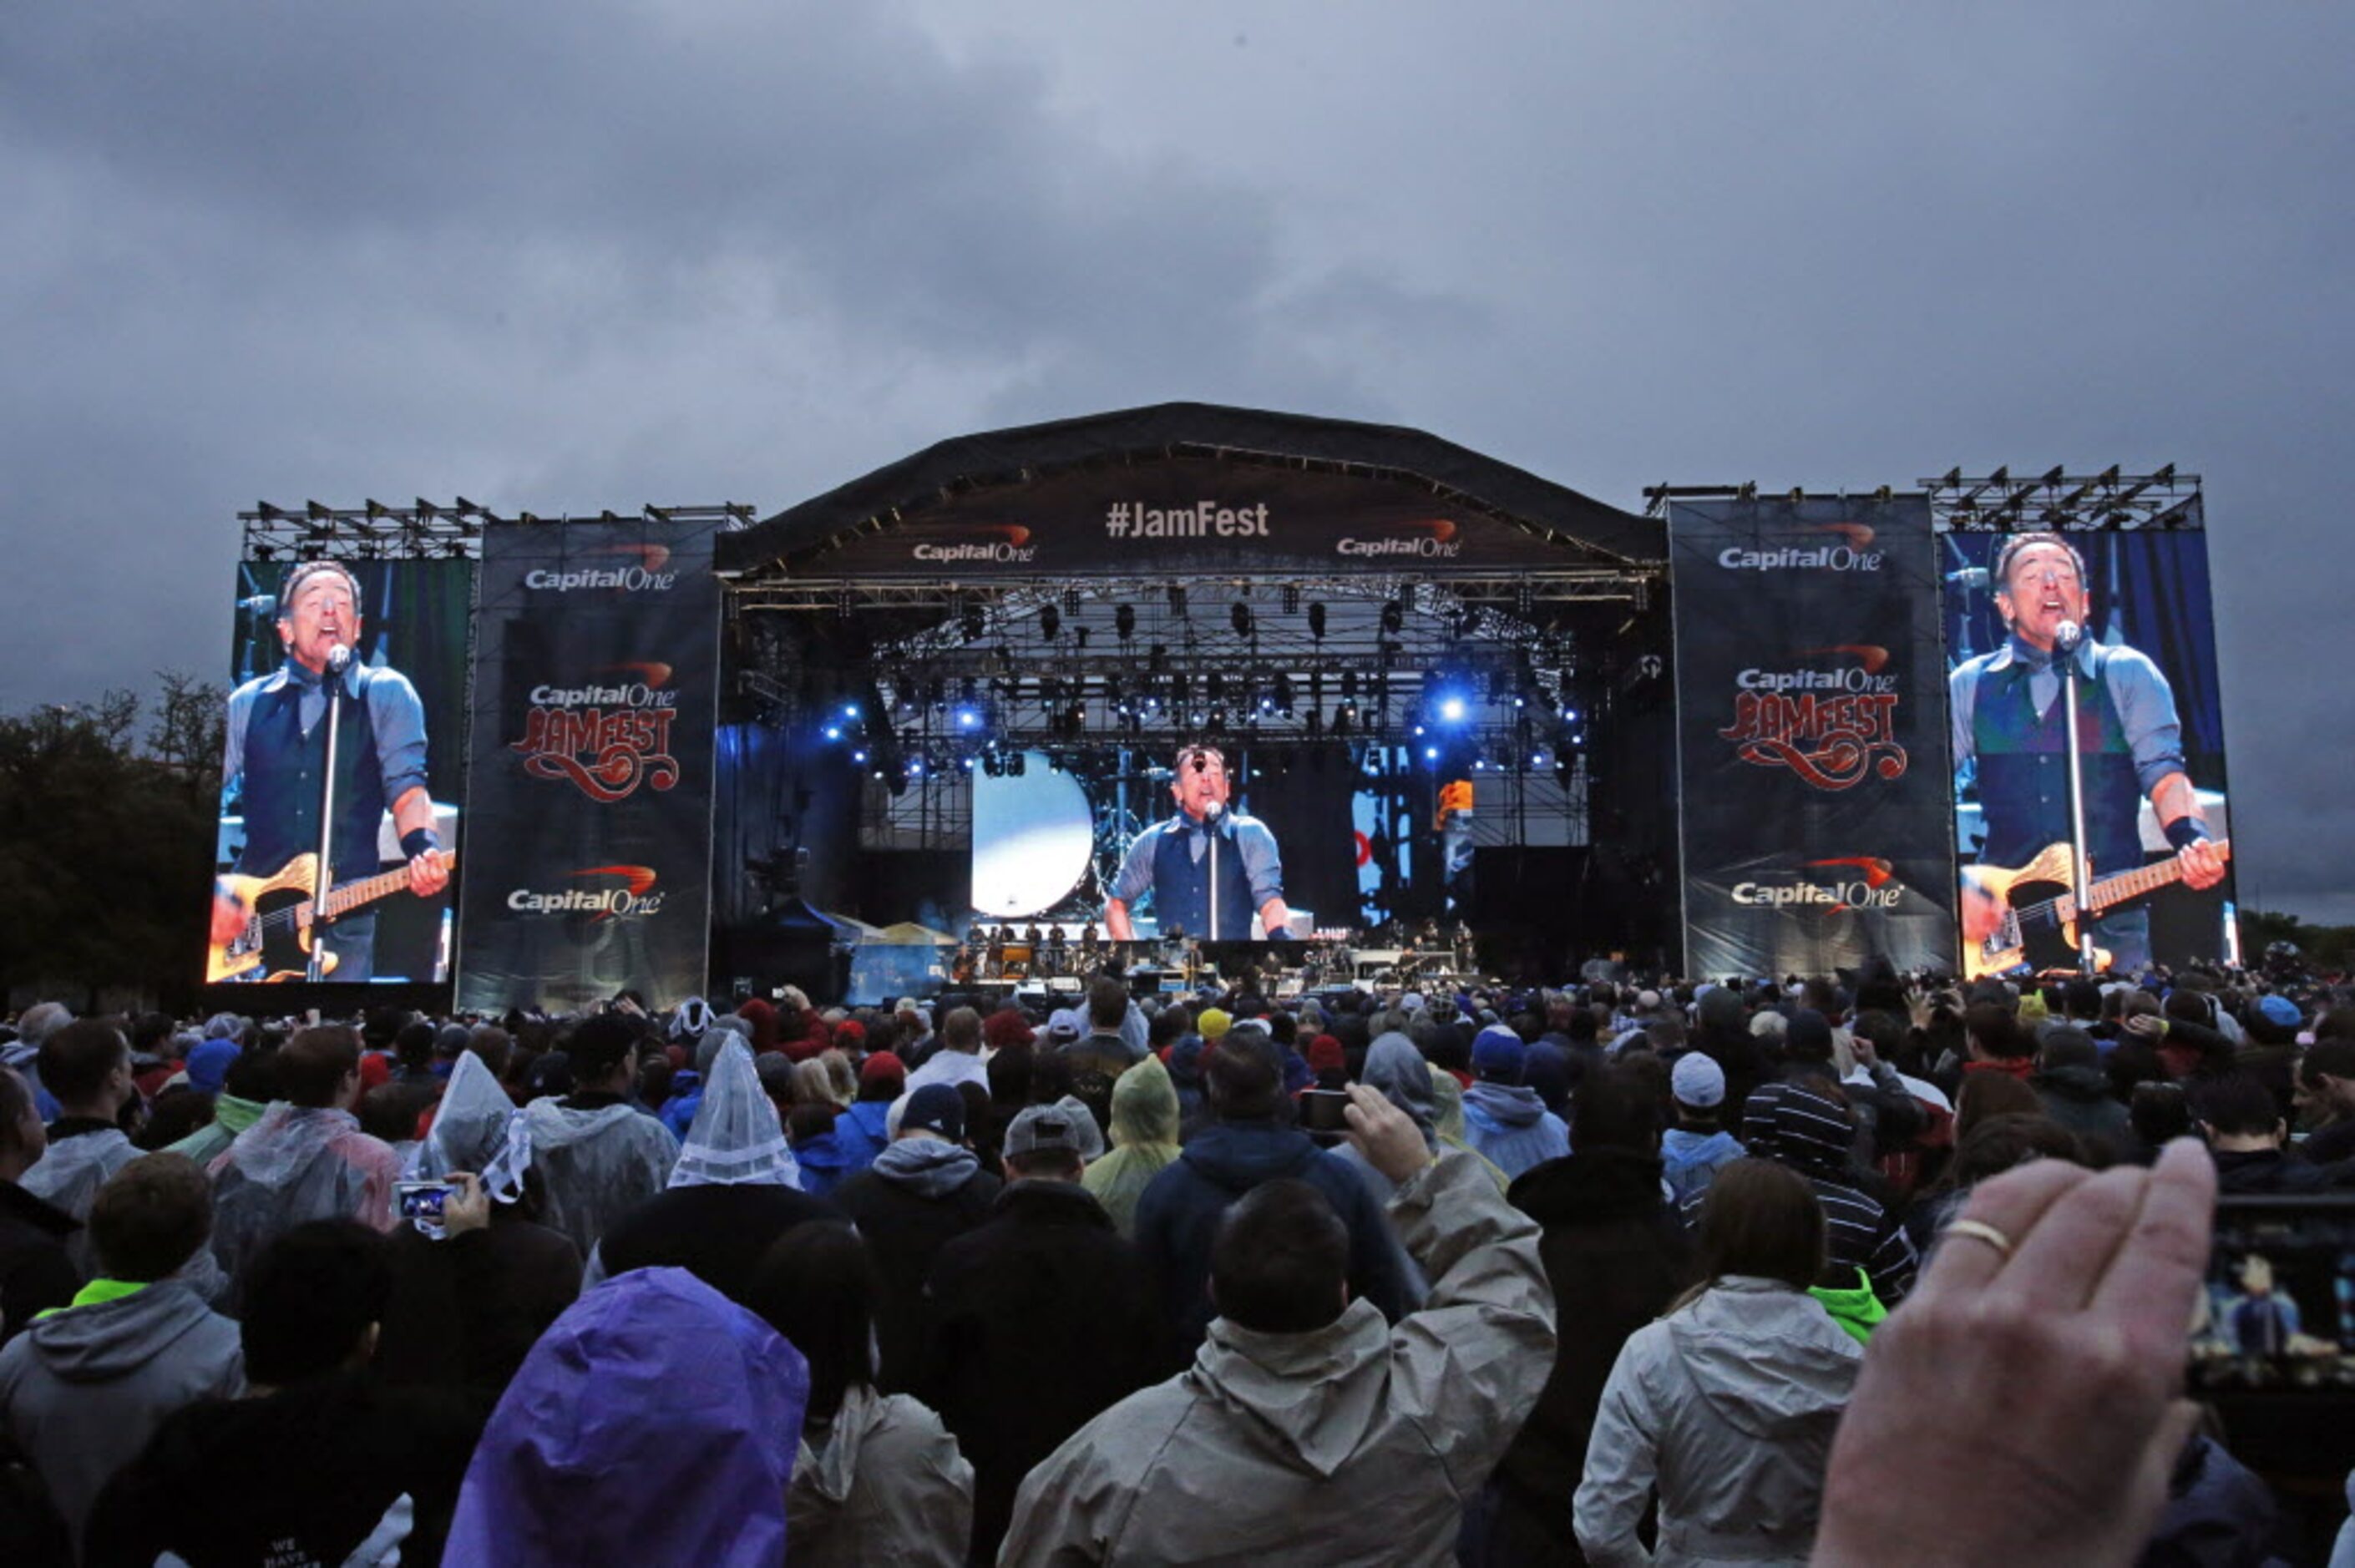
(1182, 885)
(2023, 770)
(283, 769)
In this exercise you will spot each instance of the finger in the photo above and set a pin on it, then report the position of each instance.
(2011, 1202)
(2151, 1283)
(2059, 1264)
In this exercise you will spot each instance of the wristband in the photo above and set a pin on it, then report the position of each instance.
(2186, 830)
(417, 840)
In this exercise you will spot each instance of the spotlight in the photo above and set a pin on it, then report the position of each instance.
(1241, 616)
(858, 755)
(1431, 754)
(1394, 617)
(969, 718)
(1317, 619)
(1177, 600)
(850, 710)
(834, 732)
(1050, 620)
(1452, 709)
(976, 625)
(1124, 621)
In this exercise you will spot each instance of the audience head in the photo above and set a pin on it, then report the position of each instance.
(1763, 1220)
(817, 1288)
(313, 1301)
(1280, 1261)
(151, 1217)
(87, 1065)
(319, 1069)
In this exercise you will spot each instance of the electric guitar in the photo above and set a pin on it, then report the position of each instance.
(2039, 918)
(277, 935)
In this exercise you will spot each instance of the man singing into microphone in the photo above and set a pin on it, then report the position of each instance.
(1203, 846)
(277, 756)
(2009, 728)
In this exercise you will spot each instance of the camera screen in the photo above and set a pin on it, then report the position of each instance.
(422, 1201)
(2277, 1311)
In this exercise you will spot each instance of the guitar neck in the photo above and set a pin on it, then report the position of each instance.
(2128, 885)
(347, 896)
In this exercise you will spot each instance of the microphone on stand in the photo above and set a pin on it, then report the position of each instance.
(2067, 635)
(340, 659)
(1211, 810)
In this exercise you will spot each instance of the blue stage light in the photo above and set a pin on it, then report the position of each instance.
(834, 732)
(1451, 709)
(969, 718)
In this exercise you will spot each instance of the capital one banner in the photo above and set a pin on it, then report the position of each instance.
(1812, 743)
(596, 688)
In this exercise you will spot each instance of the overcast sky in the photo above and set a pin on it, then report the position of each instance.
(577, 255)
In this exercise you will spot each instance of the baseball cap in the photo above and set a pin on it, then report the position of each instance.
(1698, 1081)
(938, 1108)
(882, 1065)
(1498, 1052)
(1037, 1129)
(2280, 1009)
(208, 1064)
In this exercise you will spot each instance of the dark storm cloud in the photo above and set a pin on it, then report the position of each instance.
(589, 255)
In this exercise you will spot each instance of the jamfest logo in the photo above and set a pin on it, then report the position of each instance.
(601, 892)
(607, 738)
(643, 573)
(1830, 723)
(992, 543)
(1430, 539)
(1852, 552)
(1869, 882)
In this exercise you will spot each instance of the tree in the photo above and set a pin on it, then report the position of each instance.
(106, 847)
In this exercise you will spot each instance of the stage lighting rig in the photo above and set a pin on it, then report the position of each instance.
(1124, 621)
(1241, 615)
(1050, 620)
(1317, 620)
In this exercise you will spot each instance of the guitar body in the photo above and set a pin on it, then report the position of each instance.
(276, 938)
(277, 935)
(2036, 932)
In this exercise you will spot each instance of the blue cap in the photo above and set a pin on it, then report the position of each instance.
(1499, 1054)
(208, 1065)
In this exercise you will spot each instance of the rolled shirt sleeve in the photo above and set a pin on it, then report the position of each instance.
(1263, 863)
(2146, 706)
(399, 719)
(1136, 867)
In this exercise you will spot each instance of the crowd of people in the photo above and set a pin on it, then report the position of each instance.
(1867, 1269)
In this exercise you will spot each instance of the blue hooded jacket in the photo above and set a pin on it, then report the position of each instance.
(657, 1380)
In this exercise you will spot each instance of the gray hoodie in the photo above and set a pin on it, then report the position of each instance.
(883, 1483)
(928, 1167)
(1728, 1407)
(83, 1389)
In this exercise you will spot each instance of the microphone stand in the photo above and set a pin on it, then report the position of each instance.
(1210, 822)
(2067, 640)
(323, 876)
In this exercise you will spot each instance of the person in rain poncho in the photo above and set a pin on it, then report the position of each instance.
(655, 1423)
(1726, 1407)
(735, 1189)
(1308, 1431)
(878, 1478)
(600, 1155)
(87, 1065)
(525, 1272)
(304, 1159)
(1145, 1118)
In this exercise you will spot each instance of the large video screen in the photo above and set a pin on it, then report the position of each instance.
(2150, 749)
(355, 799)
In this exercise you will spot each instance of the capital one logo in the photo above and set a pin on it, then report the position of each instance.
(1429, 538)
(605, 893)
(643, 573)
(1853, 882)
(1853, 552)
(1004, 543)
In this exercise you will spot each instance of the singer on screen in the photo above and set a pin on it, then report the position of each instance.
(2008, 731)
(1205, 844)
(276, 760)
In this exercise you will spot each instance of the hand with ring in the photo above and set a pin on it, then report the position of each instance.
(2023, 1405)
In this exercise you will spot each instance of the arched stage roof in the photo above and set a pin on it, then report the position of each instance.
(994, 460)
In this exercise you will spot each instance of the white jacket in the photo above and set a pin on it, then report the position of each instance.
(1727, 1408)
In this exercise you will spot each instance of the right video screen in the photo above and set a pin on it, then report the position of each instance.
(2128, 617)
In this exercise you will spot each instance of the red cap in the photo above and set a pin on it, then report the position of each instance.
(882, 1065)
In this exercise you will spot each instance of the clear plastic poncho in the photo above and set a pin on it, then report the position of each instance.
(477, 1129)
(736, 1139)
(296, 1164)
(598, 1164)
(69, 1177)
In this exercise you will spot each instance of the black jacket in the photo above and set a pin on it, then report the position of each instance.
(34, 1273)
(301, 1477)
(2268, 1170)
(465, 1310)
(906, 1222)
(1617, 1255)
(1041, 1320)
(717, 1234)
